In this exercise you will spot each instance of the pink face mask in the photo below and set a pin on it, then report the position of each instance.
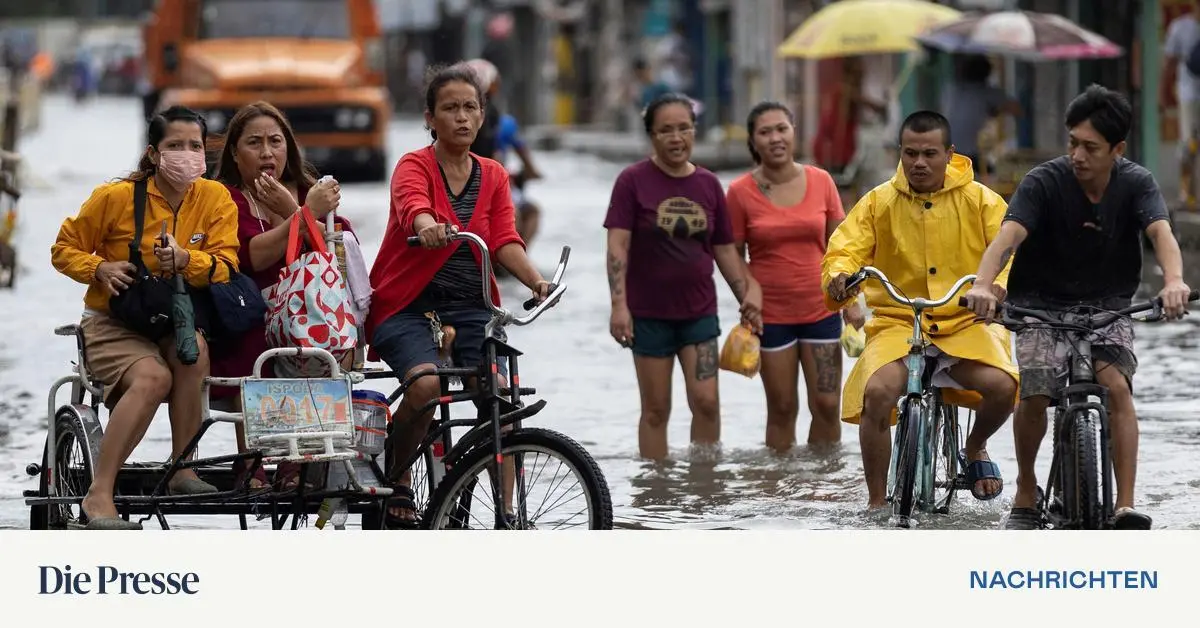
(181, 167)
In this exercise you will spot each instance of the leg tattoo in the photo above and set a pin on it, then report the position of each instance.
(706, 360)
(827, 357)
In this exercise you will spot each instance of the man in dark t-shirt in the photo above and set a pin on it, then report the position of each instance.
(1075, 224)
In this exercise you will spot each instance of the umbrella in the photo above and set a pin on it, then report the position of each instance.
(184, 318)
(1024, 35)
(864, 27)
(183, 315)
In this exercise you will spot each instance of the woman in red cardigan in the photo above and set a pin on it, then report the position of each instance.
(441, 187)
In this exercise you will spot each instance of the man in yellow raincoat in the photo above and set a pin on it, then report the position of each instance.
(924, 229)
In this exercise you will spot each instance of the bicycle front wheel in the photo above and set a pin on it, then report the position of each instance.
(908, 443)
(1084, 506)
(550, 483)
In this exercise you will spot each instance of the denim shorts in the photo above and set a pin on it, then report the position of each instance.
(777, 337)
(659, 338)
(406, 340)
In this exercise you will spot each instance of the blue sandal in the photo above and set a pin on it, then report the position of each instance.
(981, 470)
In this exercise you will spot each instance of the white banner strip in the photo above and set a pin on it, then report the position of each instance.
(623, 578)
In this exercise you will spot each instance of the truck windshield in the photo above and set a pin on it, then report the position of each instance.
(321, 19)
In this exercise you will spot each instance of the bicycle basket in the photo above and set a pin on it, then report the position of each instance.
(316, 408)
(371, 416)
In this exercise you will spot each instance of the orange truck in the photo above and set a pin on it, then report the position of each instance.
(319, 61)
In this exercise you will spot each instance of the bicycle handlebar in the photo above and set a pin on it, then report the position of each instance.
(919, 303)
(507, 317)
(1010, 313)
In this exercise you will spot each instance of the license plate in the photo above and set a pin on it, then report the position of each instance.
(297, 405)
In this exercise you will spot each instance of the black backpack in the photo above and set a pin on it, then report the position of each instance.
(1193, 60)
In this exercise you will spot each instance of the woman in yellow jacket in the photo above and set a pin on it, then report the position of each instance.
(924, 229)
(93, 248)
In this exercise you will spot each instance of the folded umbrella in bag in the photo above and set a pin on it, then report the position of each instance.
(310, 305)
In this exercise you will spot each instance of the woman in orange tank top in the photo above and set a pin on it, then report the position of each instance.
(783, 214)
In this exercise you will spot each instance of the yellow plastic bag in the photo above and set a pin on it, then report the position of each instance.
(853, 340)
(740, 353)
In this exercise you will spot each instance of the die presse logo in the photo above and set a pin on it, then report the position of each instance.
(107, 580)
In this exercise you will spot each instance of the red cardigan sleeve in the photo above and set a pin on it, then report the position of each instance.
(503, 219)
(410, 192)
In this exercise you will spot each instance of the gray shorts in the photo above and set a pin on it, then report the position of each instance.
(1044, 356)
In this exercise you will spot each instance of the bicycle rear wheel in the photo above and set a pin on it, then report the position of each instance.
(78, 433)
(908, 443)
(942, 476)
(556, 473)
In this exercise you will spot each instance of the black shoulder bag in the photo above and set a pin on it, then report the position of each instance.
(238, 305)
(144, 307)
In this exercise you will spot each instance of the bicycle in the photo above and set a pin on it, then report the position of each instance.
(926, 453)
(451, 467)
(1081, 474)
(353, 482)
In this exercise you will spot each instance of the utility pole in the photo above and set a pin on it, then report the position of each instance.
(613, 65)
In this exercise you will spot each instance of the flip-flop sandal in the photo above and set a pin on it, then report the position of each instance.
(981, 470)
(1024, 519)
(106, 523)
(1130, 519)
(402, 497)
(192, 486)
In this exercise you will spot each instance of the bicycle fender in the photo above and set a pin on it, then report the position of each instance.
(482, 433)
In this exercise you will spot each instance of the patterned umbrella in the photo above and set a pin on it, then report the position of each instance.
(1021, 34)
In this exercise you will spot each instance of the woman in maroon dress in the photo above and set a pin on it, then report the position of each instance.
(261, 165)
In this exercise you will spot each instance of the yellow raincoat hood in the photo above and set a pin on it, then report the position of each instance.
(924, 243)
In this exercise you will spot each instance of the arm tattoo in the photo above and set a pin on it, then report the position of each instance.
(827, 357)
(706, 360)
(616, 276)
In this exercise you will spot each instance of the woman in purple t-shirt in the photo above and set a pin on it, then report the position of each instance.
(667, 224)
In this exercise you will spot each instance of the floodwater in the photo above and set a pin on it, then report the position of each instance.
(587, 379)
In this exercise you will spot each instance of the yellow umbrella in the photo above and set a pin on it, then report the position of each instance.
(864, 27)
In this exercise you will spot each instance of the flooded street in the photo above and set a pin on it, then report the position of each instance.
(569, 357)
